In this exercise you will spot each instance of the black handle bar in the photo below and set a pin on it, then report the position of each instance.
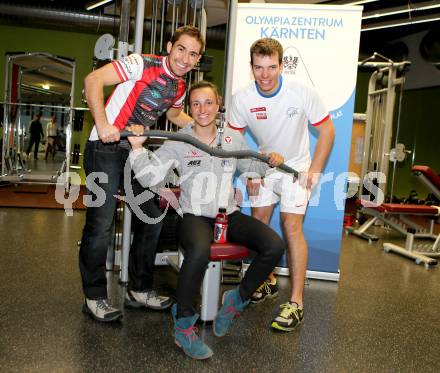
(220, 153)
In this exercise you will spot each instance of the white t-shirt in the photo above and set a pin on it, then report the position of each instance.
(279, 122)
(51, 129)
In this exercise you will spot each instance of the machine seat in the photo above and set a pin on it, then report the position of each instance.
(398, 208)
(428, 173)
(228, 251)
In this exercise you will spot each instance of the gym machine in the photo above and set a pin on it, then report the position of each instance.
(18, 68)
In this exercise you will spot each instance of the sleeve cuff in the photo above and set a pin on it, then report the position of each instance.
(135, 153)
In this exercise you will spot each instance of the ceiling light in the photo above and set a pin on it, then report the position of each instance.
(96, 3)
(360, 2)
(404, 9)
(382, 25)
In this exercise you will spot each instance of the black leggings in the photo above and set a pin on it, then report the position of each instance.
(196, 235)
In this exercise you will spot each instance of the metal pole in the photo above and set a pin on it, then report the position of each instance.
(185, 18)
(388, 126)
(162, 24)
(139, 26)
(229, 53)
(397, 138)
(369, 126)
(5, 115)
(69, 130)
(173, 16)
(195, 13)
(153, 26)
(126, 242)
(124, 27)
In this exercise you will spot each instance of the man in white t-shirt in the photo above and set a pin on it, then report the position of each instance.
(277, 113)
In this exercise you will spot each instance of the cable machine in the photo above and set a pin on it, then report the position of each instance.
(14, 167)
(384, 83)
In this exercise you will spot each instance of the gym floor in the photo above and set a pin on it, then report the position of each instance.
(382, 316)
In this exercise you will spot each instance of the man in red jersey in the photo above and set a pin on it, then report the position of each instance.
(147, 86)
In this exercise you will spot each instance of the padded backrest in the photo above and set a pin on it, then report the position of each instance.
(429, 173)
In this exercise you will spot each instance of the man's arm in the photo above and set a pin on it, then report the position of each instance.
(178, 117)
(151, 170)
(326, 135)
(41, 130)
(94, 84)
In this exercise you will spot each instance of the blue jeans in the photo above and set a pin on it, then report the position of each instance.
(97, 233)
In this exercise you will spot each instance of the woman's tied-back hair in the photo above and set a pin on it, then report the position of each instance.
(204, 84)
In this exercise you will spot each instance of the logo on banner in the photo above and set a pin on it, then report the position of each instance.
(290, 63)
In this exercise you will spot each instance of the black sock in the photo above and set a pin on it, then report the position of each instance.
(184, 312)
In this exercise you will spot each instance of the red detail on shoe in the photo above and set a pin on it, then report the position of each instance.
(190, 333)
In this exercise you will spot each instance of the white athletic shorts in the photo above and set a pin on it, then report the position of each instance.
(279, 187)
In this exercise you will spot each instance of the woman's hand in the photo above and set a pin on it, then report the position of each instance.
(136, 140)
(275, 159)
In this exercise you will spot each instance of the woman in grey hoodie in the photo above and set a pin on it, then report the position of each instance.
(206, 185)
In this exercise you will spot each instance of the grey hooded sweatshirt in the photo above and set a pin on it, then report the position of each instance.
(206, 182)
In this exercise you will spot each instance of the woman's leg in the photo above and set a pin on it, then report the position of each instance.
(195, 237)
(259, 237)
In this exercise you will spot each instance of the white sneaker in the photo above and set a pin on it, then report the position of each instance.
(101, 310)
(148, 299)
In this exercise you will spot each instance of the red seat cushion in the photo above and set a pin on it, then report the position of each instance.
(410, 209)
(370, 205)
(167, 195)
(228, 251)
(399, 209)
(429, 173)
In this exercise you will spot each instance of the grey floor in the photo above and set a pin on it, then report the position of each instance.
(383, 315)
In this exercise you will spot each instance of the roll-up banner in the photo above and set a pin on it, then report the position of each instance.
(321, 46)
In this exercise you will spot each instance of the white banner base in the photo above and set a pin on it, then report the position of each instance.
(326, 276)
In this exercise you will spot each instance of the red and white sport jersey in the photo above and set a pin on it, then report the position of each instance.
(279, 121)
(148, 90)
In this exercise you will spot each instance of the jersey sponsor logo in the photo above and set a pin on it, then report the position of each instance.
(261, 116)
(257, 109)
(228, 140)
(145, 107)
(192, 154)
(155, 94)
(161, 81)
(227, 165)
(126, 66)
(151, 102)
(194, 163)
(292, 111)
(149, 117)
